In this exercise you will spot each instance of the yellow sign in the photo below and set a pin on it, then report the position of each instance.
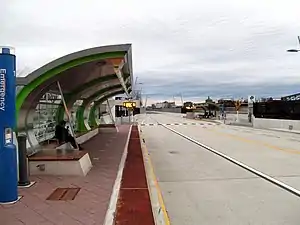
(129, 104)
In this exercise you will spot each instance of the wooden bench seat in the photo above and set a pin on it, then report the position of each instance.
(57, 155)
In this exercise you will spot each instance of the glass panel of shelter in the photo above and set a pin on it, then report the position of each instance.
(44, 119)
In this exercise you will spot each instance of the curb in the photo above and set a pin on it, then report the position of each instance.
(158, 208)
(284, 131)
(112, 207)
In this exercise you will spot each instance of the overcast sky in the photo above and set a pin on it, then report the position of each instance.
(217, 48)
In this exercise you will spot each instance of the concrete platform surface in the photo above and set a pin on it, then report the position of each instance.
(200, 187)
(90, 205)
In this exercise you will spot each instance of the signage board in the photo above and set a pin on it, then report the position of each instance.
(2, 89)
(129, 104)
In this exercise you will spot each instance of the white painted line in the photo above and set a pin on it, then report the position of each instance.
(110, 213)
(11, 203)
(252, 170)
(29, 185)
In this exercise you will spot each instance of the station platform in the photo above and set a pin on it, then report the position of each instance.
(87, 200)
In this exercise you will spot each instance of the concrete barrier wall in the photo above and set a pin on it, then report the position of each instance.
(142, 110)
(275, 123)
(190, 115)
(171, 110)
(229, 110)
(243, 118)
(243, 110)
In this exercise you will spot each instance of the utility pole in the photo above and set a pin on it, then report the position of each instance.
(181, 98)
(146, 100)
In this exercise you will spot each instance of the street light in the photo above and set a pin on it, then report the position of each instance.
(135, 89)
(295, 50)
(139, 90)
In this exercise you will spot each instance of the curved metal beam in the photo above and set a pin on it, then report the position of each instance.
(122, 80)
(86, 112)
(82, 109)
(47, 74)
(86, 126)
(71, 98)
(39, 82)
(92, 121)
(101, 100)
(39, 76)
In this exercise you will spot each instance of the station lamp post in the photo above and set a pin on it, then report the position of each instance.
(138, 91)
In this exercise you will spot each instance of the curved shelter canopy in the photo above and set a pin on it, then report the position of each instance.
(85, 75)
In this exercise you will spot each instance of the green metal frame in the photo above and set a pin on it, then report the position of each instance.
(97, 103)
(101, 100)
(79, 113)
(26, 90)
(72, 96)
(92, 117)
(80, 119)
(80, 110)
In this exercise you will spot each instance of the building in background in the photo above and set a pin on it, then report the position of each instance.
(165, 104)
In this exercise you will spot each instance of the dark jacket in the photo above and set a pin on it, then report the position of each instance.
(61, 133)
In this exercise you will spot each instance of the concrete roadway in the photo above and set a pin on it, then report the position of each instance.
(199, 187)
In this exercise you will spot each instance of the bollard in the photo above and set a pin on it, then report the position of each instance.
(23, 163)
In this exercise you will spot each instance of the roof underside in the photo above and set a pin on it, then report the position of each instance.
(80, 74)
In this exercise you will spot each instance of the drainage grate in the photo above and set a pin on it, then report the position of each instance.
(64, 194)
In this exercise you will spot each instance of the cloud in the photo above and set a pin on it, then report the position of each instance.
(198, 48)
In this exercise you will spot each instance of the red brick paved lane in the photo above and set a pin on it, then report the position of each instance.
(134, 205)
(90, 205)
